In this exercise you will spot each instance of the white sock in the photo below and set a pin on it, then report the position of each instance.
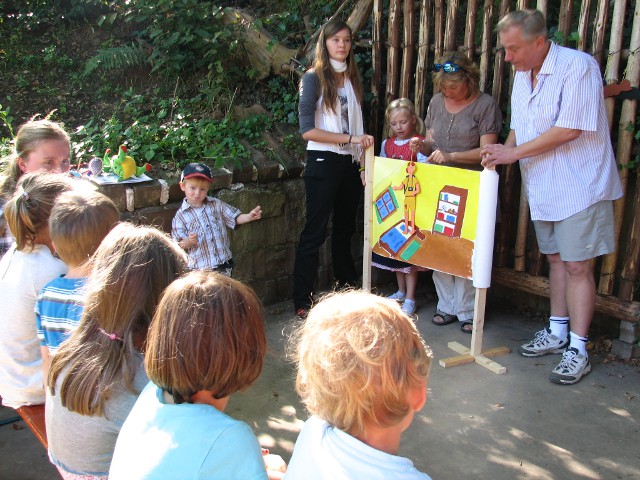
(579, 343)
(559, 326)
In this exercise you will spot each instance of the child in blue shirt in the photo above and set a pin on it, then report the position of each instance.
(206, 342)
(78, 223)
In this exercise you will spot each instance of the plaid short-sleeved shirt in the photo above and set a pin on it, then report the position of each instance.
(210, 223)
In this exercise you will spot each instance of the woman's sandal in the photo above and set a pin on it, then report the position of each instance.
(467, 327)
(446, 318)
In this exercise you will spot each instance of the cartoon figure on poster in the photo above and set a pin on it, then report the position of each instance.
(411, 188)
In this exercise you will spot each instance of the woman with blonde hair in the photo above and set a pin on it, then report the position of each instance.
(40, 145)
(460, 121)
(98, 372)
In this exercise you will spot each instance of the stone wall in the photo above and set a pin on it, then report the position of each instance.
(263, 251)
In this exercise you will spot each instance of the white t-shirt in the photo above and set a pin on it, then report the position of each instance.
(22, 276)
(323, 452)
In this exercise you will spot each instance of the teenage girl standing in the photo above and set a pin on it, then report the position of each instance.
(331, 122)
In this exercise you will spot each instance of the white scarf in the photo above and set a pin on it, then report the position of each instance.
(338, 67)
(332, 120)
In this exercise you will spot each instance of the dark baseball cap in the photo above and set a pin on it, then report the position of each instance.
(196, 170)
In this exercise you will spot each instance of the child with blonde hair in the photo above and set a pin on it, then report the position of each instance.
(40, 145)
(362, 374)
(206, 342)
(98, 373)
(78, 223)
(404, 125)
(26, 267)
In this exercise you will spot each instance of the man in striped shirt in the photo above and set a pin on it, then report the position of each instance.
(560, 135)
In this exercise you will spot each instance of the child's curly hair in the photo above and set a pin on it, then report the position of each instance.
(358, 357)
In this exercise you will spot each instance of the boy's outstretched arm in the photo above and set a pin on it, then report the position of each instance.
(255, 214)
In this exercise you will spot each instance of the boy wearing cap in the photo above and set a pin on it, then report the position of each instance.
(200, 224)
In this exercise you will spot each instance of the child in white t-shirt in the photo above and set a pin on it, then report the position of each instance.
(362, 374)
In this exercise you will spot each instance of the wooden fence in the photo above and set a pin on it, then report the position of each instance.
(414, 34)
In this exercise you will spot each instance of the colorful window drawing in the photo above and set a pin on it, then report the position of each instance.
(386, 204)
(449, 217)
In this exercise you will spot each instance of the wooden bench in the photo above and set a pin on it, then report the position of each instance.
(33, 415)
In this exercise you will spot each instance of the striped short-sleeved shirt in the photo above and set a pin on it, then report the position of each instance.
(582, 172)
(210, 223)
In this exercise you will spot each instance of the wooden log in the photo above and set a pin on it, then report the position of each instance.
(536, 259)
(450, 29)
(264, 54)
(583, 24)
(376, 63)
(407, 51)
(542, 6)
(510, 204)
(599, 30)
(608, 305)
(393, 52)
(422, 67)
(626, 141)
(522, 4)
(611, 74)
(520, 260)
(625, 146)
(438, 34)
(564, 22)
(498, 68)
(359, 16)
(470, 27)
(485, 47)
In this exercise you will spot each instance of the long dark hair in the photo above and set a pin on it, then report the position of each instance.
(325, 72)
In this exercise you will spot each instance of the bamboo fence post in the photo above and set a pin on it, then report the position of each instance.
(629, 273)
(438, 35)
(599, 28)
(564, 22)
(393, 52)
(583, 24)
(470, 28)
(422, 67)
(615, 46)
(498, 67)
(407, 52)
(542, 6)
(625, 144)
(376, 64)
(485, 49)
(521, 235)
(450, 29)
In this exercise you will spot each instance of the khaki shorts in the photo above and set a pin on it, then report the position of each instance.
(585, 235)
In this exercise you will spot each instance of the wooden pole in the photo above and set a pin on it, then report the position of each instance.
(470, 28)
(478, 321)
(407, 52)
(368, 219)
(422, 67)
(450, 29)
(521, 235)
(376, 64)
(626, 141)
(625, 145)
(393, 52)
(542, 6)
(485, 49)
(611, 74)
(437, 32)
(583, 24)
(564, 22)
(599, 29)
(498, 68)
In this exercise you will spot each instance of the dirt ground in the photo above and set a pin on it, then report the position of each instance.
(476, 424)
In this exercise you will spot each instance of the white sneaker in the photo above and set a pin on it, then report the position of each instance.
(543, 342)
(409, 307)
(398, 296)
(571, 368)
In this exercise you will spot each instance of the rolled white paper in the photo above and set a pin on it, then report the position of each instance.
(486, 227)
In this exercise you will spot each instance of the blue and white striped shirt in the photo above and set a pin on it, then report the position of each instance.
(582, 172)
